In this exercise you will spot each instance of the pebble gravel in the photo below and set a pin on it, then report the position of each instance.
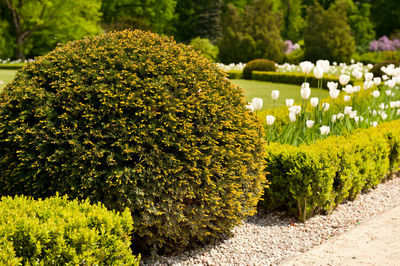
(272, 238)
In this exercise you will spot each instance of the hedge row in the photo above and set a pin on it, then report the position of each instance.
(56, 231)
(12, 66)
(292, 78)
(235, 74)
(312, 179)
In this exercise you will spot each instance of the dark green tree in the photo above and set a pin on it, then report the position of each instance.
(385, 15)
(253, 33)
(56, 20)
(328, 35)
(293, 20)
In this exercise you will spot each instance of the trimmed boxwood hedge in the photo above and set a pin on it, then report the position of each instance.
(133, 119)
(56, 231)
(292, 78)
(12, 66)
(311, 179)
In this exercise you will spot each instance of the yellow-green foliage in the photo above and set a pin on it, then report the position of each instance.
(235, 74)
(311, 179)
(258, 65)
(292, 78)
(55, 231)
(132, 119)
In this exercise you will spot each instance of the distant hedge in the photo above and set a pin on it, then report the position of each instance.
(11, 66)
(292, 78)
(311, 179)
(55, 231)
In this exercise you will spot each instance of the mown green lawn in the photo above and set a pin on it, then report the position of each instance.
(261, 89)
(6, 76)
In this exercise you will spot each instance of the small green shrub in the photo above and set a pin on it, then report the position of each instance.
(376, 70)
(311, 179)
(376, 57)
(292, 78)
(205, 47)
(55, 231)
(132, 119)
(258, 65)
(235, 74)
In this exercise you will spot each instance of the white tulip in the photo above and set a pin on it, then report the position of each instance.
(324, 64)
(348, 89)
(368, 76)
(306, 67)
(385, 77)
(398, 112)
(347, 110)
(332, 85)
(305, 91)
(296, 109)
(275, 95)
(292, 117)
(376, 93)
(382, 106)
(257, 103)
(393, 104)
(384, 115)
(270, 120)
(334, 117)
(388, 92)
(356, 88)
(377, 81)
(368, 84)
(334, 93)
(344, 79)
(325, 106)
(310, 123)
(357, 119)
(346, 98)
(353, 114)
(357, 74)
(318, 72)
(289, 102)
(340, 116)
(374, 112)
(250, 107)
(325, 130)
(314, 101)
(374, 123)
(391, 83)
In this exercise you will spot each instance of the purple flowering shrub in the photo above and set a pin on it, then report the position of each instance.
(384, 44)
(289, 46)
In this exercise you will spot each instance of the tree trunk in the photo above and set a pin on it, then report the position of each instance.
(19, 48)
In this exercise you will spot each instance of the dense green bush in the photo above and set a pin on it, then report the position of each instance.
(258, 65)
(55, 231)
(311, 179)
(132, 119)
(376, 57)
(235, 74)
(12, 66)
(205, 47)
(292, 78)
(376, 70)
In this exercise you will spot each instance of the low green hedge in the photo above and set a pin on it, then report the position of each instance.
(311, 179)
(56, 231)
(235, 74)
(12, 66)
(292, 78)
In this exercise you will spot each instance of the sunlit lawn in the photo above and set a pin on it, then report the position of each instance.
(6, 76)
(260, 89)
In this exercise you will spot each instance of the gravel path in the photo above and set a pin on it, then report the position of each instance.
(271, 239)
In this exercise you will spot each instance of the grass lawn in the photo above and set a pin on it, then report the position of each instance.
(261, 89)
(6, 76)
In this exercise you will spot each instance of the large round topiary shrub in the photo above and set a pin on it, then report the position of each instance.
(258, 65)
(377, 71)
(132, 119)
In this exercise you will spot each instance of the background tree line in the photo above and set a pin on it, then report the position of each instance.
(240, 29)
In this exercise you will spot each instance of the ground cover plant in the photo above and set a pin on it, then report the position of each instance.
(132, 119)
(58, 231)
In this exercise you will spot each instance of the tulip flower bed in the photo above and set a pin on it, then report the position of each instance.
(311, 179)
(321, 152)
